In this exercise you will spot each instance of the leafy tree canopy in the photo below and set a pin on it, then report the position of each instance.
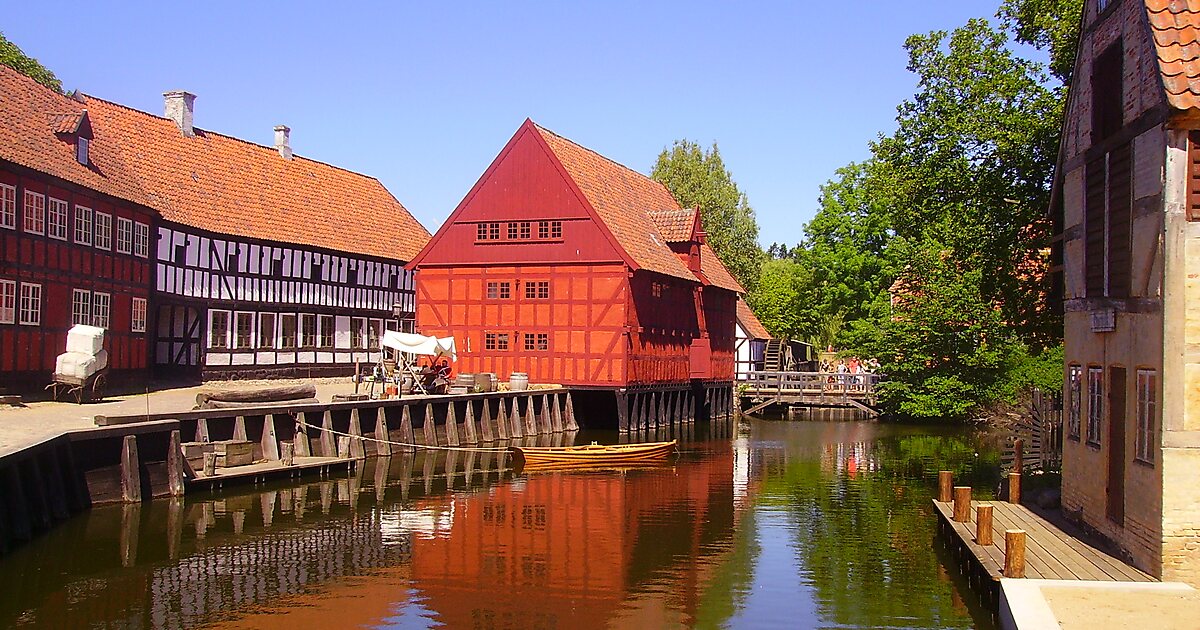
(698, 178)
(15, 58)
(1050, 25)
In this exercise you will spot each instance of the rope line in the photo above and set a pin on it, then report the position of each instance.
(405, 444)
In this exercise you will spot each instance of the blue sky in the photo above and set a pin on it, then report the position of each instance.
(423, 95)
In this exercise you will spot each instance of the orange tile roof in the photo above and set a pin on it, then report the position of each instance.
(750, 321)
(623, 198)
(29, 118)
(66, 123)
(1175, 25)
(676, 226)
(226, 185)
(715, 272)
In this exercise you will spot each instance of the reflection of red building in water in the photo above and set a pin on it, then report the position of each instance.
(578, 550)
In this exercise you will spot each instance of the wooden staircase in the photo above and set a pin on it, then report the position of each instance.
(773, 356)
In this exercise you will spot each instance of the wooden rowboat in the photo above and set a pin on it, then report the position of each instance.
(592, 454)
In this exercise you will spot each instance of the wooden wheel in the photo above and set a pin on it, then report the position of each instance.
(97, 389)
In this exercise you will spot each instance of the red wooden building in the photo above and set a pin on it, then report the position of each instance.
(577, 270)
(74, 236)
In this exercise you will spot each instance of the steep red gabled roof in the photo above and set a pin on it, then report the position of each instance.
(226, 185)
(676, 226)
(715, 271)
(30, 116)
(622, 198)
(1175, 25)
(750, 321)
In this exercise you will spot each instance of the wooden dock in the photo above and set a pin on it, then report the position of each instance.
(761, 389)
(1049, 552)
(267, 470)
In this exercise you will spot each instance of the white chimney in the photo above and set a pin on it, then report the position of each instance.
(178, 105)
(283, 137)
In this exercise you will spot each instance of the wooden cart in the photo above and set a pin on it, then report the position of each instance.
(90, 389)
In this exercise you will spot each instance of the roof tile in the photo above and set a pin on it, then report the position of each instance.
(1175, 25)
(750, 321)
(676, 226)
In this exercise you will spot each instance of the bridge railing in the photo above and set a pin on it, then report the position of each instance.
(861, 385)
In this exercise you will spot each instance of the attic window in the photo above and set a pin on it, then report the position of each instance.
(81, 150)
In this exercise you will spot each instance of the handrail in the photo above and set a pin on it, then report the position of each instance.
(835, 383)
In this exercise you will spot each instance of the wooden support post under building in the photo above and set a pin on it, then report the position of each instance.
(328, 445)
(202, 430)
(470, 427)
(1014, 553)
(428, 428)
(239, 428)
(531, 427)
(514, 419)
(210, 464)
(485, 421)
(269, 441)
(175, 465)
(983, 524)
(287, 455)
(635, 416)
(131, 476)
(502, 430)
(1014, 487)
(406, 429)
(545, 426)
(357, 451)
(962, 503)
(451, 425)
(556, 418)
(945, 483)
(300, 437)
(571, 425)
(383, 447)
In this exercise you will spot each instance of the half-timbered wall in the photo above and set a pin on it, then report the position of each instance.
(720, 316)
(498, 315)
(69, 255)
(663, 323)
(249, 305)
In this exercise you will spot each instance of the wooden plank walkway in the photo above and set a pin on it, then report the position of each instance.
(263, 471)
(1050, 553)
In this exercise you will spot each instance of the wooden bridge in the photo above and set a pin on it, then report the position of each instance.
(761, 389)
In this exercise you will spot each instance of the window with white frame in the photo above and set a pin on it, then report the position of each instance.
(81, 150)
(83, 225)
(308, 330)
(266, 330)
(100, 309)
(358, 329)
(326, 340)
(1147, 408)
(56, 219)
(243, 331)
(8, 302)
(31, 304)
(137, 321)
(141, 239)
(8, 206)
(81, 307)
(1095, 404)
(103, 230)
(218, 329)
(124, 235)
(35, 212)
(1074, 400)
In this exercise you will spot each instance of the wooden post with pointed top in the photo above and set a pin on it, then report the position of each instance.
(239, 428)
(383, 445)
(202, 430)
(328, 445)
(451, 424)
(556, 419)
(428, 428)
(571, 424)
(545, 425)
(514, 418)
(300, 438)
(485, 421)
(406, 429)
(945, 483)
(269, 441)
(531, 427)
(357, 451)
(962, 503)
(470, 430)
(502, 430)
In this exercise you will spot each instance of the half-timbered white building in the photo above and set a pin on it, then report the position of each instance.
(267, 263)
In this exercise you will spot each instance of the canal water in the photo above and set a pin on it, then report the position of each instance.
(759, 524)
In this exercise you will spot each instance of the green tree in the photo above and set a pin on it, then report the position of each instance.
(698, 178)
(1050, 25)
(13, 57)
(779, 300)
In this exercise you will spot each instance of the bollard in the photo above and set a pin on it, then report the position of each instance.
(1014, 553)
(210, 464)
(983, 524)
(945, 482)
(962, 503)
(1014, 487)
(288, 452)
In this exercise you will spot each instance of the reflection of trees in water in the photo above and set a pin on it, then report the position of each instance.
(865, 531)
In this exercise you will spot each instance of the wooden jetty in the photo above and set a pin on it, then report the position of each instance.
(761, 389)
(998, 539)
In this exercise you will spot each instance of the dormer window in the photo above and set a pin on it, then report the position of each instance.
(81, 150)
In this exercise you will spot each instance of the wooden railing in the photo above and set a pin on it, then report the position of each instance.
(823, 384)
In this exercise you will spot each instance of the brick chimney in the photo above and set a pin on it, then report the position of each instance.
(178, 105)
(283, 136)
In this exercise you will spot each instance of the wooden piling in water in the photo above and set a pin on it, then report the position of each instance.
(269, 441)
(1014, 487)
(287, 453)
(406, 429)
(571, 424)
(451, 425)
(531, 427)
(545, 426)
(983, 524)
(514, 417)
(202, 430)
(427, 427)
(239, 428)
(300, 437)
(485, 421)
(357, 451)
(210, 464)
(556, 419)
(962, 503)
(945, 483)
(383, 445)
(131, 478)
(502, 427)
(175, 465)
(1014, 553)
(328, 444)
(470, 430)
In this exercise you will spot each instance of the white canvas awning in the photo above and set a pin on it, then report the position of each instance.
(410, 343)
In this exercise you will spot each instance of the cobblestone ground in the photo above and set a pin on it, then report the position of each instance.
(41, 420)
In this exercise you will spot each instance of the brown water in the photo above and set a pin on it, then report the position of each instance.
(769, 524)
